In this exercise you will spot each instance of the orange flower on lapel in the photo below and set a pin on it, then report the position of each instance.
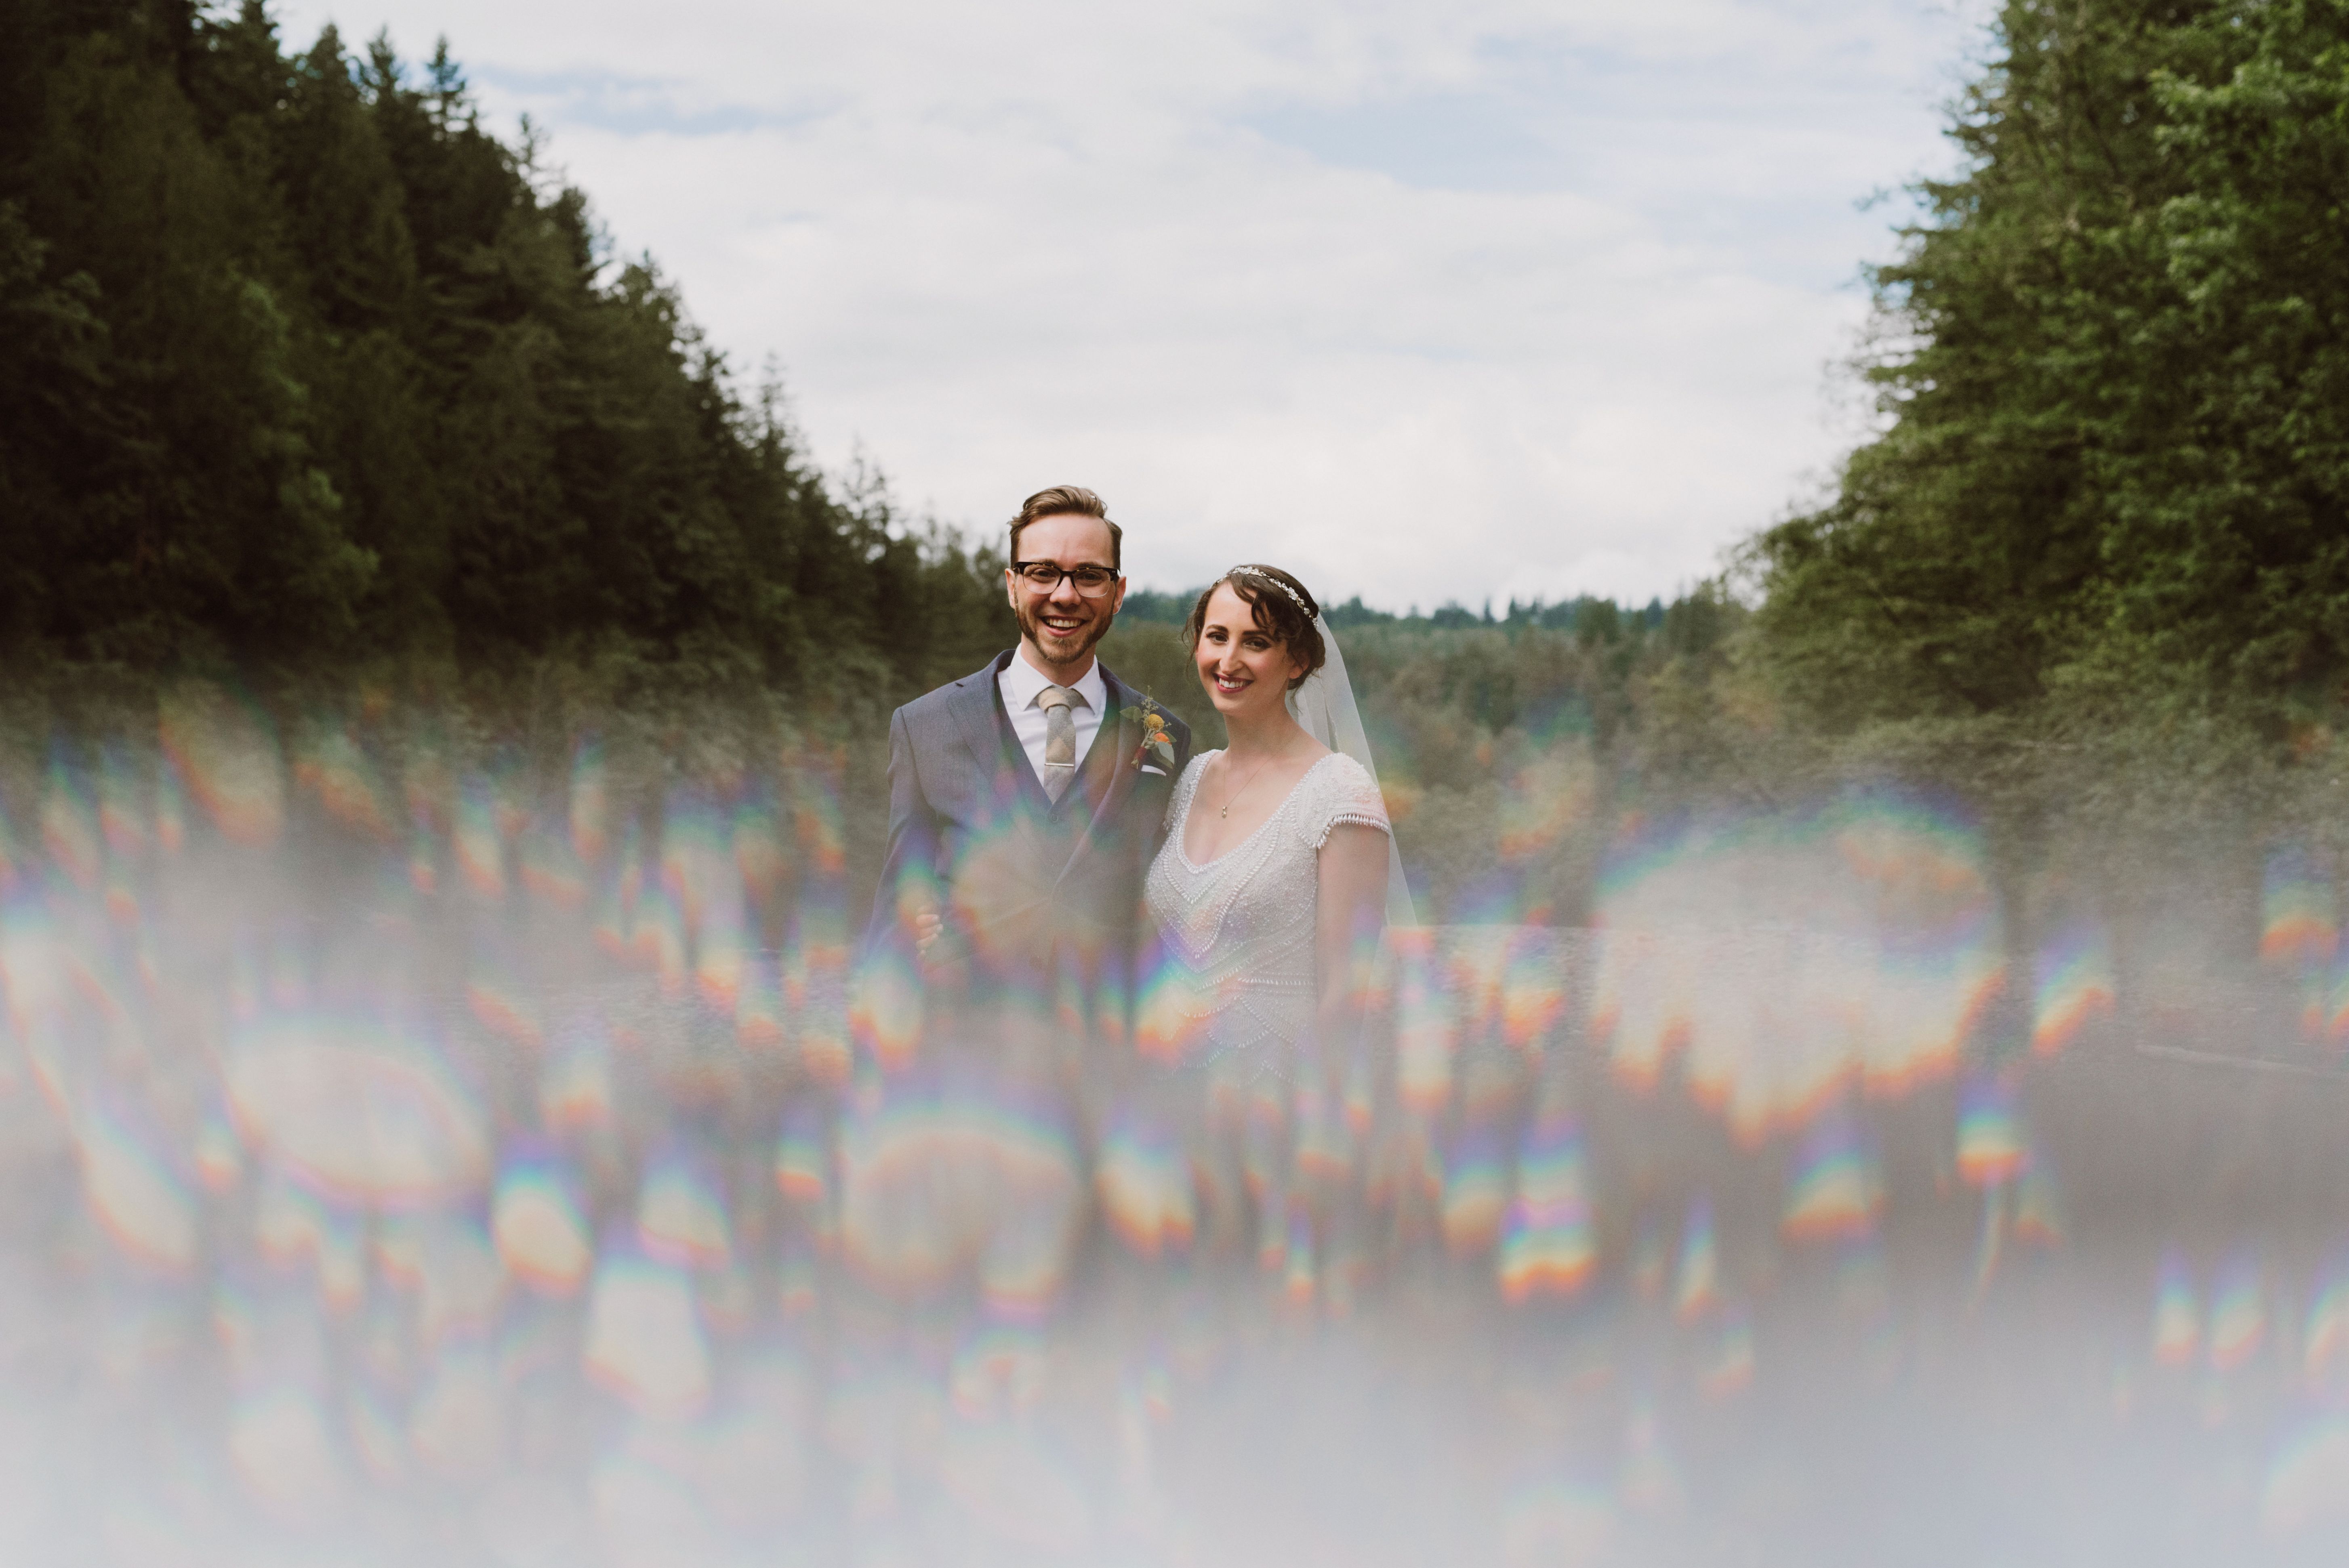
(1158, 746)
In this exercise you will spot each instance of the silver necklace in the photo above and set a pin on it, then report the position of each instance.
(1233, 799)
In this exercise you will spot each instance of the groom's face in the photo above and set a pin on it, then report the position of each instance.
(1062, 626)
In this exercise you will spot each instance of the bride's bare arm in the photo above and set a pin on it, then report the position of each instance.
(1352, 908)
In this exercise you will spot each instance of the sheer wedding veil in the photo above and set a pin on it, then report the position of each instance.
(1324, 705)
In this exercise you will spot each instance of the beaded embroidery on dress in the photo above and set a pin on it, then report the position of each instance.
(1237, 933)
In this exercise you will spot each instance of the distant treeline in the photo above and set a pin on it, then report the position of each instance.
(1511, 747)
(1604, 617)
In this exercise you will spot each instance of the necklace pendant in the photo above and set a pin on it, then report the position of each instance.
(1226, 813)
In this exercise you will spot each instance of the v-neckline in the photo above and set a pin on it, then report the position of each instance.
(1182, 839)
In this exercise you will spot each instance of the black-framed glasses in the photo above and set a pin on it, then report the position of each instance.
(1044, 576)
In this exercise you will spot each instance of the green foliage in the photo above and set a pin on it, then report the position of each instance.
(2093, 571)
(1152, 655)
(304, 368)
(1155, 607)
(2112, 485)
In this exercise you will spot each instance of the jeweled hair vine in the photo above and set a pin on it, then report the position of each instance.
(1258, 574)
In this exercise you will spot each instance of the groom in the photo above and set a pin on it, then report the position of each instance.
(1026, 801)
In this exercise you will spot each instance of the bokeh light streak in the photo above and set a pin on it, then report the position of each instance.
(517, 1125)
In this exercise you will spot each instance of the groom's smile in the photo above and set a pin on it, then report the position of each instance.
(1064, 590)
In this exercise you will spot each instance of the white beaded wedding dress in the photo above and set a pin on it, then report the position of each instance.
(1237, 933)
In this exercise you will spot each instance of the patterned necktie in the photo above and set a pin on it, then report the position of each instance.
(1060, 737)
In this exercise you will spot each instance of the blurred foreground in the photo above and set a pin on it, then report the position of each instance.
(434, 1164)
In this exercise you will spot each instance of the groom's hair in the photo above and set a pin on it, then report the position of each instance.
(1064, 500)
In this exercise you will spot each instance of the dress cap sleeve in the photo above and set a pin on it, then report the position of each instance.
(1341, 790)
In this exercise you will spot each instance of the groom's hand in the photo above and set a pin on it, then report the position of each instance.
(928, 928)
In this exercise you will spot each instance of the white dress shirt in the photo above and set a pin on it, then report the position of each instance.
(1022, 683)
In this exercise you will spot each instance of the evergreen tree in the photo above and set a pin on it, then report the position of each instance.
(2114, 365)
(305, 367)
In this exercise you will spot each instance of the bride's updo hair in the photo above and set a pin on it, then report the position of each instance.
(1283, 609)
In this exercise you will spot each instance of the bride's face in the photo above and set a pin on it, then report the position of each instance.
(1245, 672)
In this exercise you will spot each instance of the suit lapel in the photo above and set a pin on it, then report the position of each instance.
(974, 712)
(987, 736)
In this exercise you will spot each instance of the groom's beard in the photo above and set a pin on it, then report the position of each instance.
(1061, 650)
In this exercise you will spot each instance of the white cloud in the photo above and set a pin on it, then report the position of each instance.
(1424, 302)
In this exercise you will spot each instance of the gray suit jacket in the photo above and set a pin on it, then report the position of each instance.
(1038, 898)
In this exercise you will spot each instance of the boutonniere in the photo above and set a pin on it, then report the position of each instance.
(1158, 746)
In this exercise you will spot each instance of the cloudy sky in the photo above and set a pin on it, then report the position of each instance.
(1425, 301)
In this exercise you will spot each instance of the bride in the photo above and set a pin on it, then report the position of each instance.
(1278, 871)
(1278, 867)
